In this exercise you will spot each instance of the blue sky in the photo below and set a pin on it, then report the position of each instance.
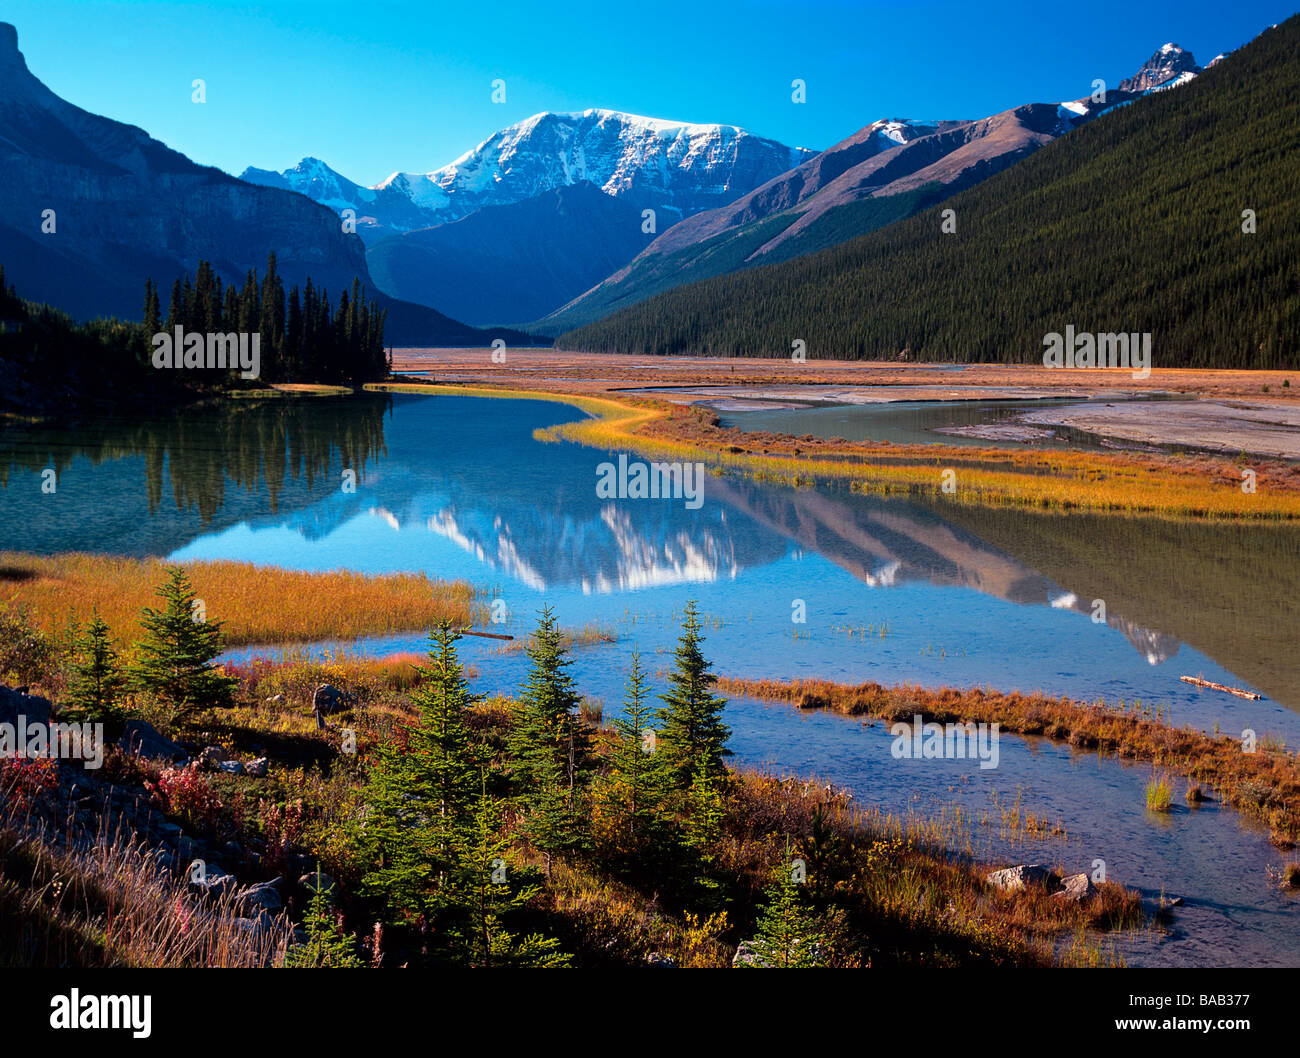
(375, 87)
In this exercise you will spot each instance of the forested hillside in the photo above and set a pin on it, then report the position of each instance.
(1133, 222)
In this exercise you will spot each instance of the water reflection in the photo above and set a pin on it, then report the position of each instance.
(458, 487)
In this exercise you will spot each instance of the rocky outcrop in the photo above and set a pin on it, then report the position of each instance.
(1168, 65)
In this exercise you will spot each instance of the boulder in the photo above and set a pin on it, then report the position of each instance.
(210, 881)
(746, 955)
(230, 767)
(263, 896)
(213, 755)
(661, 961)
(141, 739)
(17, 702)
(257, 768)
(1009, 879)
(1077, 887)
(327, 700)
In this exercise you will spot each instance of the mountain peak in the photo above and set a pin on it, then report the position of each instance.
(1171, 64)
(11, 59)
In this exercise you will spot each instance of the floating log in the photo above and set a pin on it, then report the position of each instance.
(1219, 687)
(497, 635)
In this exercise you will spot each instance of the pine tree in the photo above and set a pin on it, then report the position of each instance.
(175, 657)
(327, 946)
(421, 798)
(702, 837)
(550, 747)
(789, 935)
(97, 677)
(693, 736)
(637, 782)
(498, 886)
(152, 310)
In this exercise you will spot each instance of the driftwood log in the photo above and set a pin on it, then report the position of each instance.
(1219, 687)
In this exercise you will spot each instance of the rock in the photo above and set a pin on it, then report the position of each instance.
(230, 767)
(746, 955)
(278, 699)
(660, 960)
(329, 699)
(1171, 901)
(213, 755)
(263, 895)
(141, 739)
(1077, 887)
(210, 880)
(16, 703)
(1009, 879)
(257, 768)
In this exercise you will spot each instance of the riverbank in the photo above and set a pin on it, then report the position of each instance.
(1175, 486)
(1259, 779)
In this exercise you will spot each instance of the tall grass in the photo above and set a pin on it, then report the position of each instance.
(258, 604)
(104, 899)
(1160, 795)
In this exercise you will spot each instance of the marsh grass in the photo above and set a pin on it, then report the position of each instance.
(1159, 795)
(259, 605)
(1264, 785)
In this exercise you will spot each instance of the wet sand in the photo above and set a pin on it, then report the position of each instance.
(1257, 428)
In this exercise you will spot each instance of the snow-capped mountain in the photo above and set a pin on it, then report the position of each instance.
(1168, 67)
(670, 166)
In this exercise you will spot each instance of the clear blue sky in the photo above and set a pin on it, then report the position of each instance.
(373, 86)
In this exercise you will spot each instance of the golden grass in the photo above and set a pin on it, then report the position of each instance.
(1160, 795)
(258, 604)
(103, 899)
(1048, 480)
(1264, 785)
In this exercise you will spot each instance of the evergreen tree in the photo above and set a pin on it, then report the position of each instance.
(637, 782)
(702, 838)
(496, 887)
(550, 746)
(152, 310)
(327, 946)
(693, 736)
(421, 799)
(175, 659)
(789, 935)
(97, 677)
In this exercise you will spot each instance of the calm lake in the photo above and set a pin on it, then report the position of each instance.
(892, 590)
